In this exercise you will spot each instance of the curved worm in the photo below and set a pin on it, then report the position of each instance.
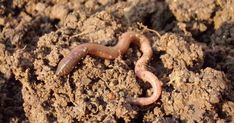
(67, 63)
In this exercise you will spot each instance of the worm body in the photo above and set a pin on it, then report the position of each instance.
(67, 63)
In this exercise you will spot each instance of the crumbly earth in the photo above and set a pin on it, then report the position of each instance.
(193, 57)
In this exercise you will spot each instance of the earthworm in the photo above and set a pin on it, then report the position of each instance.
(67, 63)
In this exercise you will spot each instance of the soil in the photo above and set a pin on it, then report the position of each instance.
(193, 57)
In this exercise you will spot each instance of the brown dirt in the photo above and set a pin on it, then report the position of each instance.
(194, 58)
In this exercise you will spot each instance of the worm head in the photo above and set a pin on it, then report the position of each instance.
(66, 65)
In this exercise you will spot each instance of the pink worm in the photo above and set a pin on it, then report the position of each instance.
(67, 63)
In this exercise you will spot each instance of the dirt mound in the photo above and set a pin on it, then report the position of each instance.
(193, 57)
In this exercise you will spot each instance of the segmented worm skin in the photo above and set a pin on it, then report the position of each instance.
(67, 63)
